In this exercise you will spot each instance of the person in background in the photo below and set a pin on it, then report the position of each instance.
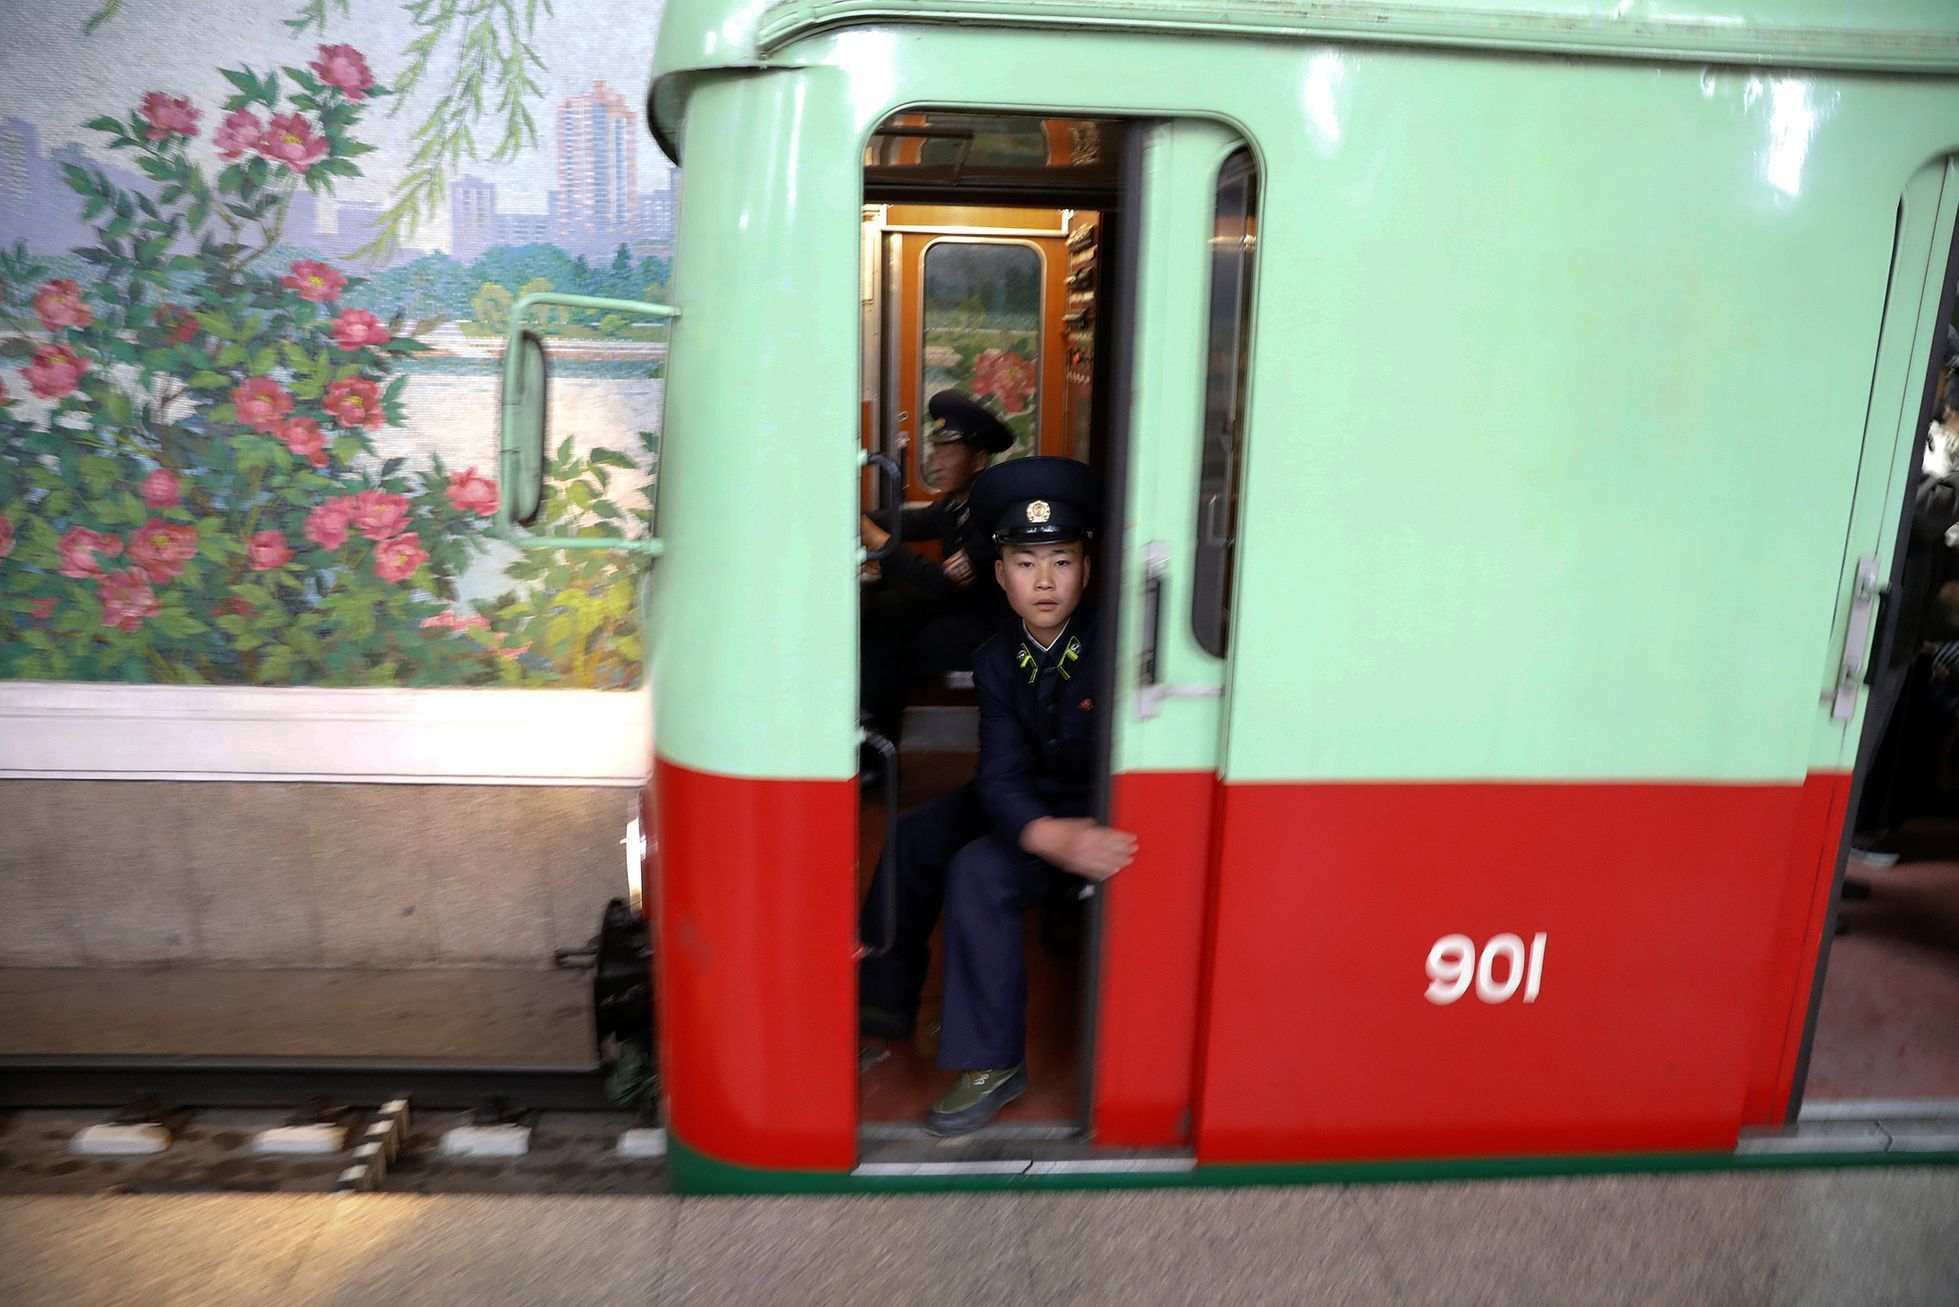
(1923, 607)
(928, 615)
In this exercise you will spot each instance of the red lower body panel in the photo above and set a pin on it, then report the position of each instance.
(755, 968)
(1798, 943)
(1148, 998)
(1666, 950)
(1266, 965)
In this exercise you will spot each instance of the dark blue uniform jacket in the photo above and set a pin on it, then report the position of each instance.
(952, 525)
(1036, 728)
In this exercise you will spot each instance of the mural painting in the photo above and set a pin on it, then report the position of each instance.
(239, 446)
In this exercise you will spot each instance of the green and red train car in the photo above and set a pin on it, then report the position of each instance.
(1507, 410)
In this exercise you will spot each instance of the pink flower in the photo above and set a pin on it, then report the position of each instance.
(266, 550)
(470, 493)
(127, 599)
(354, 402)
(357, 327)
(379, 515)
(6, 535)
(162, 489)
(239, 134)
(262, 404)
(1007, 376)
(313, 281)
(341, 67)
(162, 548)
(290, 140)
(79, 547)
(304, 438)
(452, 620)
(55, 371)
(514, 651)
(397, 559)
(326, 525)
(168, 116)
(59, 304)
(177, 323)
(41, 609)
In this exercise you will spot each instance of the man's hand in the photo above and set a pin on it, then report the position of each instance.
(1078, 845)
(958, 569)
(871, 533)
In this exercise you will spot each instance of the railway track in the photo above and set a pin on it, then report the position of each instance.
(206, 1124)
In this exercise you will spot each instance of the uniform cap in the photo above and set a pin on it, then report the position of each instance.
(1038, 501)
(961, 417)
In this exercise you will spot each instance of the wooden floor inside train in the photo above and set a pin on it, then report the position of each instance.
(1889, 1024)
(900, 1088)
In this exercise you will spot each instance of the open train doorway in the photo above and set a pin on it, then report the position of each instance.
(990, 256)
(1886, 1004)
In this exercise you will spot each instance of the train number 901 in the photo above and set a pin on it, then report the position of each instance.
(1454, 965)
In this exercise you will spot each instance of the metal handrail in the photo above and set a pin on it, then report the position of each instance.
(509, 451)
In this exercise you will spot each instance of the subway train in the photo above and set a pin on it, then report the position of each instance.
(1507, 412)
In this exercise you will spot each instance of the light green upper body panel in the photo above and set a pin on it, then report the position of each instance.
(1557, 407)
(1888, 35)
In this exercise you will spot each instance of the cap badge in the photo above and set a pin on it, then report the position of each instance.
(1037, 511)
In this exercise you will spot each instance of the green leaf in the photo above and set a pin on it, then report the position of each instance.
(209, 380)
(99, 473)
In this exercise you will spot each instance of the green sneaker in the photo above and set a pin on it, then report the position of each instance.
(975, 1098)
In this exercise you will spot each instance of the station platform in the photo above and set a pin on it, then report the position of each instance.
(1824, 1237)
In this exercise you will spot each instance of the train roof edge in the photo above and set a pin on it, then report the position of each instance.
(1900, 36)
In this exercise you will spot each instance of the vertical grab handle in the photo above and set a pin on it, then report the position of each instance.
(894, 481)
(1156, 560)
(888, 884)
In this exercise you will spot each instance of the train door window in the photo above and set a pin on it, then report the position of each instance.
(1233, 248)
(981, 330)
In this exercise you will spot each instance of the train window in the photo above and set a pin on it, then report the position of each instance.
(1233, 246)
(981, 329)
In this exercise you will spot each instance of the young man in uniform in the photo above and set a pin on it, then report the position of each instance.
(938, 611)
(992, 849)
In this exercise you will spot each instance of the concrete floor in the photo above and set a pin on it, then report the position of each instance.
(1827, 1237)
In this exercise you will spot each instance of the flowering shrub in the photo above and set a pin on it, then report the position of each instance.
(193, 492)
(577, 616)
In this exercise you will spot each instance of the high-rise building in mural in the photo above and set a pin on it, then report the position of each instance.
(598, 171)
(472, 217)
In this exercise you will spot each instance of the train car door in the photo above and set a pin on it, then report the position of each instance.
(1183, 367)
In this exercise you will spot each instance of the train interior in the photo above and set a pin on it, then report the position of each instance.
(1888, 1003)
(989, 249)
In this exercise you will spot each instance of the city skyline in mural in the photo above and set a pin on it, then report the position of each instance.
(594, 208)
(606, 182)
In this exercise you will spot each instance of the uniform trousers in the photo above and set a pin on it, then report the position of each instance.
(947, 858)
